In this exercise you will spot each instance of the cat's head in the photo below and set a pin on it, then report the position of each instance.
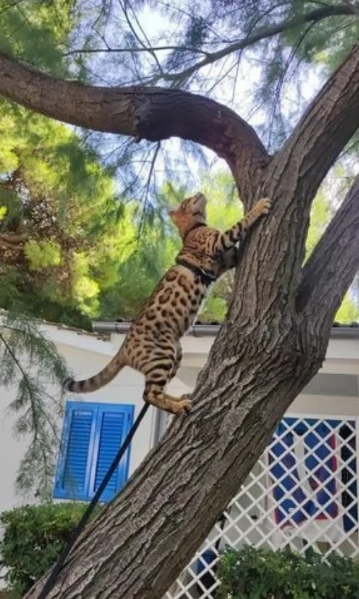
(189, 213)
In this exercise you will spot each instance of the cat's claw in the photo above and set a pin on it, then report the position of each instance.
(183, 405)
(264, 205)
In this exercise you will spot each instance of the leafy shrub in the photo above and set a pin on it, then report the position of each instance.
(34, 536)
(263, 574)
(42, 254)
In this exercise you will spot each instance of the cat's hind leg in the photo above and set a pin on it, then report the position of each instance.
(157, 376)
(177, 361)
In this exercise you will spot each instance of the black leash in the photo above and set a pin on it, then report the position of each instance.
(81, 525)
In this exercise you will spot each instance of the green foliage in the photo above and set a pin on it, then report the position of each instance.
(87, 268)
(35, 30)
(138, 263)
(34, 536)
(56, 203)
(42, 254)
(328, 41)
(321, 213)
(262, 573)
(56, 197)
(30, 364)
(348, 311)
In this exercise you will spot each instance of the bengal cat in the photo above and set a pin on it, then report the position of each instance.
(152, 343)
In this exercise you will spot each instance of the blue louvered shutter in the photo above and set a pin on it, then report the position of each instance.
(91, 437)
(113, 424)
(72, 476)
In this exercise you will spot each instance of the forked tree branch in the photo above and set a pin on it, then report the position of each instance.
(333, 264)
(261, 359)
(150, 113)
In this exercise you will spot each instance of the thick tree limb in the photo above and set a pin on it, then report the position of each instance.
(150, 113)
(295, 173)
(335, 256)
(327, 125)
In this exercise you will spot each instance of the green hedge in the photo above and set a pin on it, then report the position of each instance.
(35, 535)
(33, 539)
(263, 574)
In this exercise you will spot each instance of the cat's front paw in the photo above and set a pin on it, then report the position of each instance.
(185, 404)
(264, 205)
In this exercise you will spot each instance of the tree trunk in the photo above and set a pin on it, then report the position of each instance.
(272, 343)
(141, 542)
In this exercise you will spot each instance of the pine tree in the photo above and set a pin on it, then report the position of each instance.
(30, 366)
(49, 239)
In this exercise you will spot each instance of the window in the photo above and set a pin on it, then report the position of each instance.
(91, 437)
(309, 459)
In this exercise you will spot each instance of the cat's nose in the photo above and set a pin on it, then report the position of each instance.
(200, 196)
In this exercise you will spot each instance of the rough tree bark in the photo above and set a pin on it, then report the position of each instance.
(272, 343)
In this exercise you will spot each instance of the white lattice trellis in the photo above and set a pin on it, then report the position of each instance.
(301, 493)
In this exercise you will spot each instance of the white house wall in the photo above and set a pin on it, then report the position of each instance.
(87, 354)
(11, 452)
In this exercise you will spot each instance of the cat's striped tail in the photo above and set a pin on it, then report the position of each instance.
(97, 381)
